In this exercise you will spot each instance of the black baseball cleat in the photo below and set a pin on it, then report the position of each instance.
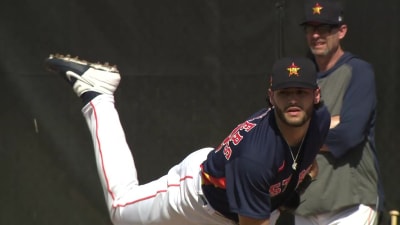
(85, 76)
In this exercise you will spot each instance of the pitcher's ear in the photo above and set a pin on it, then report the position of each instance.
(317, 96)
(270, 97)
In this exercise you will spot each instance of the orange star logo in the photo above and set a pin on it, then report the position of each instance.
(317, 8)
(293, 70)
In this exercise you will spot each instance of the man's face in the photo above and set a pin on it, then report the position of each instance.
(294, 106)
(324, 39)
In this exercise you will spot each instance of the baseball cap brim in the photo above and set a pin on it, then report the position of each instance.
(294, 84)
(318, 22)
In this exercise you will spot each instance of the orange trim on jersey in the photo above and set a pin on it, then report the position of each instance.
(209, 180)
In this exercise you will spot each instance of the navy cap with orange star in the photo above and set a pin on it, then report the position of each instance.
(293, 72)
(323, 12)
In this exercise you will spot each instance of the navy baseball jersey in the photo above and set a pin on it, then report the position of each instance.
(251, 173)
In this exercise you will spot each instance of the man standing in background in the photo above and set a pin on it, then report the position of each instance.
(348, 188)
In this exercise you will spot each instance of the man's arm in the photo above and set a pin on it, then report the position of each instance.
(243, 220)
(357, 114)
(314, 170)
(335, 120)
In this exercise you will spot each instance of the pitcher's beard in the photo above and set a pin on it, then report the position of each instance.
(297, 123)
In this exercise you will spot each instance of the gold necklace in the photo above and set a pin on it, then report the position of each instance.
(294, 165)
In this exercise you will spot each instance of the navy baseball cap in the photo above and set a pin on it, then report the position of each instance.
(293, 72)
(323, 12)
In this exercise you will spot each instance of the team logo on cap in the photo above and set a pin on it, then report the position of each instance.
(317, 9)
(293, 70)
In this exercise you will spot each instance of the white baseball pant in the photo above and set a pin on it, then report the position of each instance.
(359, 214)
(175, 198)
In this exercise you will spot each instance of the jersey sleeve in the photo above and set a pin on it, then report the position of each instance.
(357, 111)
(324, 120)
(247, 188)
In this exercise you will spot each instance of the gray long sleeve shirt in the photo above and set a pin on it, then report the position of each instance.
(349, 173)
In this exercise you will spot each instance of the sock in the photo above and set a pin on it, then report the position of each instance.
(88, 96)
